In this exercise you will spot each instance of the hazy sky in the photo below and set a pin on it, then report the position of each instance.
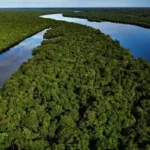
(74, 3)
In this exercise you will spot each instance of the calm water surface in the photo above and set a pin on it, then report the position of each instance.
(12, 59)
(135, 38)
(132, 37)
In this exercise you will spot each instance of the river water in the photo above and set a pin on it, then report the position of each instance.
(12, 59)
(132, 37)
(135, 38)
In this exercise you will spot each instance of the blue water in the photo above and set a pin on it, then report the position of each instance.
(135, 38)
(12, 59)
(132, 37)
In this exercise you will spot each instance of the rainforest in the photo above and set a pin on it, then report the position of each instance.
(81, 90)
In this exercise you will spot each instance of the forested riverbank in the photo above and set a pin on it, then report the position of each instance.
(17, 24)
(134, 16)
(81, 90)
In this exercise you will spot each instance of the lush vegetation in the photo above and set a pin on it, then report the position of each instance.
(80, 91)
(136, 16)
(16, 25)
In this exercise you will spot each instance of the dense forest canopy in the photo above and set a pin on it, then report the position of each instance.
(80, 91)
(136, 16)
(18, 24)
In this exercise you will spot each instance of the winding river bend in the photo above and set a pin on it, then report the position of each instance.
(12, 59)
(135, 38)
(132, 37)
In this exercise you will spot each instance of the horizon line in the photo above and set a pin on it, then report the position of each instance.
(81, 7)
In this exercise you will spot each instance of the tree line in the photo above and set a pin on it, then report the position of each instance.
(135, 16)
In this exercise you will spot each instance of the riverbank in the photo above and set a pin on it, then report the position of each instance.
(80, 90)
(132, 37)
(11, 60)
(19, 41)
(133, 16)
(17, 25)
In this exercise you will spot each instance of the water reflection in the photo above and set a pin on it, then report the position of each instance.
(135, 38)
(76, 11)
(11, 60)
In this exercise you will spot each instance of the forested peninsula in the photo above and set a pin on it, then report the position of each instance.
(81, 91)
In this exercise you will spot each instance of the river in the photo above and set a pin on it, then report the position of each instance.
(135, 38)
(12, 59)
(132, 37)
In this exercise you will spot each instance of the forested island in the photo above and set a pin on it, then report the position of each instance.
(81, 90)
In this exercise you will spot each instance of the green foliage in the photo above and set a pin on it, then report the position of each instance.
(80, 91)
(16, 25)
(136, 16)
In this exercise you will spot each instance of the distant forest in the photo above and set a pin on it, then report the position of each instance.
(135, 16)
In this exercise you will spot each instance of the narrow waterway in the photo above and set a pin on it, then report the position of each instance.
(135, 38)
(132, 37)
(12, 59)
